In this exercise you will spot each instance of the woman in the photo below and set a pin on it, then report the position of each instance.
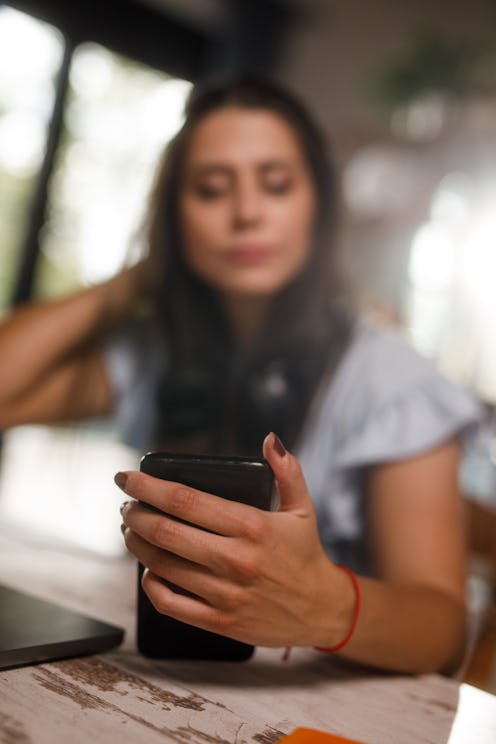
(249, 332)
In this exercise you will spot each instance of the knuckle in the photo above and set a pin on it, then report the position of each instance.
(160, 598)
(164, 531)
(182, 499)
(245, 568)
(156, 564)
(255, 527)
(231, 597)
(161, 604)
(226, 624)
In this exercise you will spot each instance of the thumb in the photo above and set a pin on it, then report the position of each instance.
(293, 492)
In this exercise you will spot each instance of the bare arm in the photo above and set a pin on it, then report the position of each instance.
(414, 616)
(51, 367)
(264, 578)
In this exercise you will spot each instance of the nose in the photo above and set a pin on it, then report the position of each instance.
(247, 204)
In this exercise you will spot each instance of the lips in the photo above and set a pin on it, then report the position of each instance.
(249, 254)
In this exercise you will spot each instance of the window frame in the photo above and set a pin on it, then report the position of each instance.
(163, 43)
(166, 43)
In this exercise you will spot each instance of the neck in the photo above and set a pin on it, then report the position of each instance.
(246, 317)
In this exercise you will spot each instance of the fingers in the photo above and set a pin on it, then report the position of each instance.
(293, 492)
(189, 576)
(169, 534)
(242, 566)
(205, 510)
(182, 607)
(227, 557)
(212, 603)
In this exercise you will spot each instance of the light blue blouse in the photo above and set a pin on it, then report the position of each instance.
(385, 402)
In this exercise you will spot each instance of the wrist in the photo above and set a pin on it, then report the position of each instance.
(338, 623)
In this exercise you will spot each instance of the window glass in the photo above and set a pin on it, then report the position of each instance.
(119, 114)
(118, 117)
(27, 90)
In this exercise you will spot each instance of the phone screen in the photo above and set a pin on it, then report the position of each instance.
(248, 481)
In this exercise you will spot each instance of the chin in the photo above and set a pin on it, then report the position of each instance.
(253, 290)
(254, 284)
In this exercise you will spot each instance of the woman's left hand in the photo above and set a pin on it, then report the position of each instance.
(259, 577)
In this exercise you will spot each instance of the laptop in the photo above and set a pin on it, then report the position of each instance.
(35, 630)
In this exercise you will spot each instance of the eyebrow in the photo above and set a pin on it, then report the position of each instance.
(266, 165)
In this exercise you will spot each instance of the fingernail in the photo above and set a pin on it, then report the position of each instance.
(123, 506)
(279, 446)
(120, 479)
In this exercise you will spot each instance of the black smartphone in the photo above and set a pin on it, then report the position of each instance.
(248, 481)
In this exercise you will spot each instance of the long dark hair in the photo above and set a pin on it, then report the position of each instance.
(206, 387)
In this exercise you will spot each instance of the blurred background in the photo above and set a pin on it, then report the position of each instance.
(90, 92)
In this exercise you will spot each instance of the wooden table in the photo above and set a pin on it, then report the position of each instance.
(120, 697)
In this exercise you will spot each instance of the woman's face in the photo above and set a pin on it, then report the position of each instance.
(247, 203)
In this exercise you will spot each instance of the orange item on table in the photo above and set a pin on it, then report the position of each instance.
(312, 736)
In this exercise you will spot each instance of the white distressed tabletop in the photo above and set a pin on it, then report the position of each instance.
(120, 697)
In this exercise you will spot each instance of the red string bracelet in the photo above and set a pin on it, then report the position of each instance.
(358, 604)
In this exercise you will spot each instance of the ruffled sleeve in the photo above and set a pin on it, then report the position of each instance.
(429, 411)
(387, 402)
(384, 403)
